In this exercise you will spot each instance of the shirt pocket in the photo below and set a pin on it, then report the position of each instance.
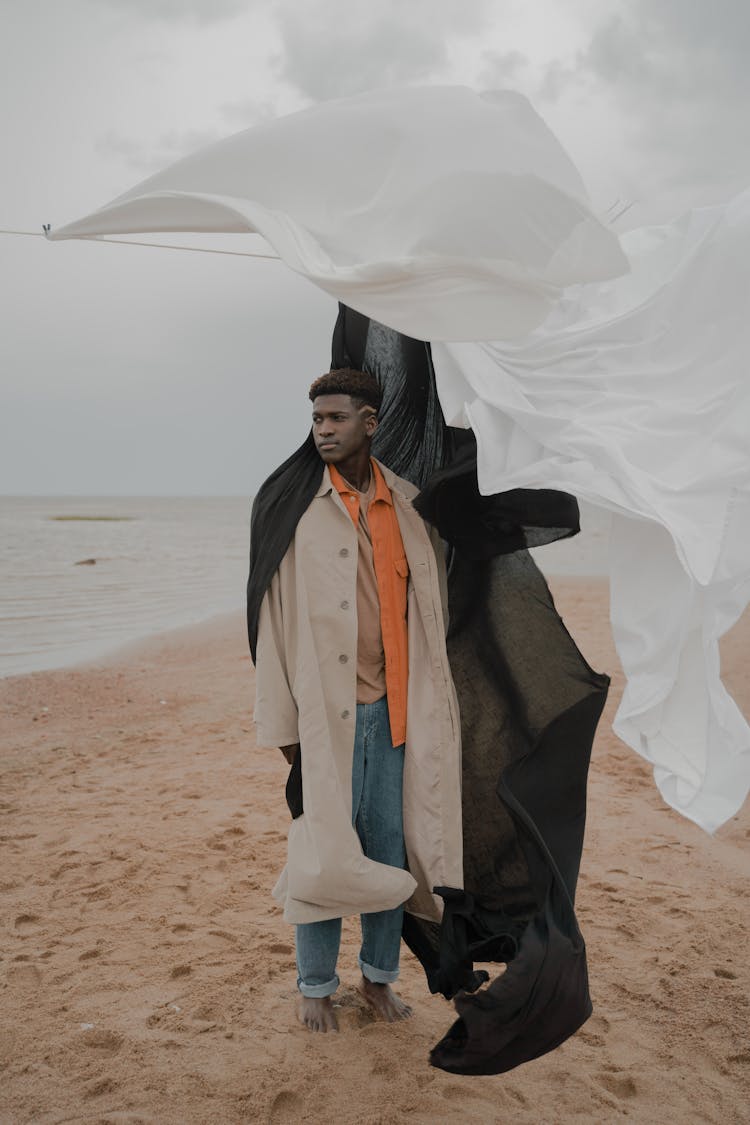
(402, 568)
(400, 587)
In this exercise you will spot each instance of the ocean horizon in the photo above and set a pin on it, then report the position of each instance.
(80, 576)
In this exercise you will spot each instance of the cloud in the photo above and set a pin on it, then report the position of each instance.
(676, 47)
(502, 68)
(334, 48)
(680, 71)
(196, 11)
(248, 111)
(152, 156)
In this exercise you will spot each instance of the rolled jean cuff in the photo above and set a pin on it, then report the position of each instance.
(318, 991)
(377, 976)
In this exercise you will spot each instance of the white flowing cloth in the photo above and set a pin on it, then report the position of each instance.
(458, 218)
(635, 395)
(441, 213)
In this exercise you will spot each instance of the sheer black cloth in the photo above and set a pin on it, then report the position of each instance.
(529, 708)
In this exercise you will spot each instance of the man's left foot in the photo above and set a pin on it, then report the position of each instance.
(384, 1000)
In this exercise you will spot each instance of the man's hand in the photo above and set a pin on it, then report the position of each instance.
(290, 752)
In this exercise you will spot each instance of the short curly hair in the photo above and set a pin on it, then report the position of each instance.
(361, 386)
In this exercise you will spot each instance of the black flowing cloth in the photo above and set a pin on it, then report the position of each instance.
(529, 707)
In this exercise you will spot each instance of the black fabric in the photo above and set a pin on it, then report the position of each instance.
(529, 707)
(293, 791)
(280, 502)
(480, 527)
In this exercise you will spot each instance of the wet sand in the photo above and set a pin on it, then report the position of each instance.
(147, 975)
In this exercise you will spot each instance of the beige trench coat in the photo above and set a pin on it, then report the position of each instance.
(306, 692)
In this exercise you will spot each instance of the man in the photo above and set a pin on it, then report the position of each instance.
(353, 683)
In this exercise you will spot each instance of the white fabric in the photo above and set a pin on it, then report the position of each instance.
(442, 213)
(458, 218)
(635, 395)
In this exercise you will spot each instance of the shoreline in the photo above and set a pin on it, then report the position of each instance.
(124, 650)
(148, 975)
(130, 647)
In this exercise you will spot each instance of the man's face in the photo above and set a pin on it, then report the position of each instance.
(340, 428)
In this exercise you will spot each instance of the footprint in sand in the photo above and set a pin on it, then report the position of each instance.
(166, 1015)
(383, 1067)
(453, 1093)
(608, 888)
(461, 1094)
(98, 893)
(184, 889)
(108, 1042)
(98, 1087)
(59, 871)
(224, 935)
(25, 923)
(287, 1106)
(614, 1082)
(594, 1031)
(205, 1014)
(123, 1117)
(274, 836)
(26, 975)
(352, 1011)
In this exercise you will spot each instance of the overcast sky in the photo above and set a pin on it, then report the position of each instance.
(126, 370)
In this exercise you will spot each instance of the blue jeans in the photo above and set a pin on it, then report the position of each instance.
(377, 815)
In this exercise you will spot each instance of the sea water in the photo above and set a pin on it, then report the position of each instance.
(80, 576)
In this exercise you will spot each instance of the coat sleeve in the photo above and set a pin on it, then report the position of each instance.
(276, 715)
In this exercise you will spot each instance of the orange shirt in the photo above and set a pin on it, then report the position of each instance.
(392, 573)
(371, 684)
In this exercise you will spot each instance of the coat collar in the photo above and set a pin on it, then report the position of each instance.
(326, 484)
(394, 483)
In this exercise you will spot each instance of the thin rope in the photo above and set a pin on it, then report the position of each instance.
(623, 211)
(154, 245)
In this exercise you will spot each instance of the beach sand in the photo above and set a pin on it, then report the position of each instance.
(148, 976)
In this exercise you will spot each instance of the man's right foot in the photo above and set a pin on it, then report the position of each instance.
(317, 1014)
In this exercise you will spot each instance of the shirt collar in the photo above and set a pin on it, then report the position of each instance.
(335, 480)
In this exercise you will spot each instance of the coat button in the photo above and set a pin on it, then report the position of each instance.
(345, 605)
(344, 714)
(343, 659)
(344, 552)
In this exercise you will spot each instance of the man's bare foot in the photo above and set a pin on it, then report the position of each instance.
(384, 1000)
(317, 1014)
